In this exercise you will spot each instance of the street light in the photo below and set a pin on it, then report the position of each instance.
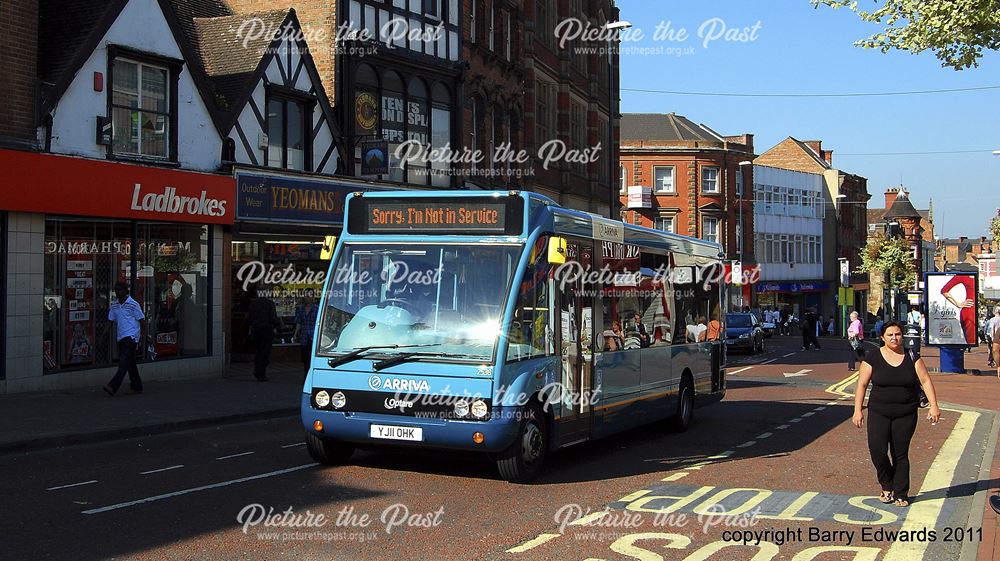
(742, 234)
(612, 191)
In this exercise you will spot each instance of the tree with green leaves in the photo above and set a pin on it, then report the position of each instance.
(956, 31)
(995, 228)
(890, 255)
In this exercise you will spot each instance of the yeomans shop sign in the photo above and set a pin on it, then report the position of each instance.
(76, 186)
(290, 199)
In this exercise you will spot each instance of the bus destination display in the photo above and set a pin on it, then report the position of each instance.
(466, 216)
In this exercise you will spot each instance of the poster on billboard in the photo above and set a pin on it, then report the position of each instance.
(951, 308)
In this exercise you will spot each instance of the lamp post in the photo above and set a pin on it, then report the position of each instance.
(741, 234)
(612, 191)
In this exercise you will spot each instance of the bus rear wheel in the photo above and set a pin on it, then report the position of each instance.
(328, 452)
(522, 460)
(685, 406)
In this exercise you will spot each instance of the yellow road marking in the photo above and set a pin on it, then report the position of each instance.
(531, 544)
(924, 513)
(675, 476)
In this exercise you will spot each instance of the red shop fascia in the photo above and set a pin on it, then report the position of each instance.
(65, 185)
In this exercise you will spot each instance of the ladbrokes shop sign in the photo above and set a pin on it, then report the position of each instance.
(53, 184)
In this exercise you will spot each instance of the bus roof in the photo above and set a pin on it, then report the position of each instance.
(573, 222)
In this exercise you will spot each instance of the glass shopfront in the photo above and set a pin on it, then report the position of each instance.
(167, 266)
(281, 270)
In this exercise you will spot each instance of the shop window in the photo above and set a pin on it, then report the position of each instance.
(85, 258)
(393, 121)
(172, 285)
(440, 133)
(417, 129)
(288, 132)
(142, 108)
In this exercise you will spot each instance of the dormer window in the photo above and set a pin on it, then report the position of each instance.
(143, 106)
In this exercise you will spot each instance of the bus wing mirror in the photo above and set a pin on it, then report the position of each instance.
(326, 252)
(557, 250)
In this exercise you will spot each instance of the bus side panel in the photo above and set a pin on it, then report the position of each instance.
(659, 374)
(620, 375)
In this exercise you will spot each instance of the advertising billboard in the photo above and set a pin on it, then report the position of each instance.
(951, 308)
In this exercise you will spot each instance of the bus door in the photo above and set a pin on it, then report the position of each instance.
(575, 305)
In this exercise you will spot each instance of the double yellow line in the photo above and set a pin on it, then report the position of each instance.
(842, 385)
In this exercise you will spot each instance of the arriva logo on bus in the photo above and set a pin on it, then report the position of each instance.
(398, 384)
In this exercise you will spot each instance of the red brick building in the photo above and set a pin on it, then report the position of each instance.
(693, 176)
(19, 43)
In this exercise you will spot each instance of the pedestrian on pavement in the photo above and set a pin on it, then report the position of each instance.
(263, 319)
(992, 332)
(892, 411)
(128, 318)
(856, 337)
(305, 325)
(878, 329)
(809, 325)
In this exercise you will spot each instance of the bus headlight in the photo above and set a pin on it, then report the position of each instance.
(461, 408)
(322, 398)
(338, 400)
(479, 409)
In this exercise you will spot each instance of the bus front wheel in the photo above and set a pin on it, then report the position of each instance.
(522, 460)
(685, 406)
(328, 452)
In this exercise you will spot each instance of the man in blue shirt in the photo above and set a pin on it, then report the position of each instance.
(127, 315)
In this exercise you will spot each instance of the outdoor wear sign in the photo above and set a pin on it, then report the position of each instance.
(78, 186)
(951, 308)
(285, 199)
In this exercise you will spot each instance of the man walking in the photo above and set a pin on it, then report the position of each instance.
(263, 318)
(809, 325)
(127, 315)
(992, 332)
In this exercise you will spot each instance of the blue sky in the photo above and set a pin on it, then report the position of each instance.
(799, 49)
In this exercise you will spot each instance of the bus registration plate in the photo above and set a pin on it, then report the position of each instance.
(390, 432)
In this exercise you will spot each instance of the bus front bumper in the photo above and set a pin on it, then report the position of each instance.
(361, 428)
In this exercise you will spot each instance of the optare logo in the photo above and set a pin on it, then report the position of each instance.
(374, 382)
(393, 403)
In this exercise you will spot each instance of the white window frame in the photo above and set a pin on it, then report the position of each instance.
(705, 220)
(171, 118)
(657, 221)
(490, 40)
(718, 174)
(673, 175)
(624, 181)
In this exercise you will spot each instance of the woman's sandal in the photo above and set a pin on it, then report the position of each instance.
(885, 497)
(902, 503)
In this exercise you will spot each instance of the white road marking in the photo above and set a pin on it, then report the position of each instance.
(808, 414)
(72, 485)
(781, 427)
(924, 513)
(533, 543)
(162, 469)
(795, 420)
(764, 435)
(802, 372)
(235, 456)
(196, 489)
(747, 444)
(769, 361)
(820, 408)
(294, 445)
(831, 403)
(740, 370)
(788, 355)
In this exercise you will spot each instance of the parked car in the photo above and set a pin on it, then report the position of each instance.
(768, 327)
(743, 331)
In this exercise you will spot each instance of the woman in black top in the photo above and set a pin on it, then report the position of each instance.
(892, 410)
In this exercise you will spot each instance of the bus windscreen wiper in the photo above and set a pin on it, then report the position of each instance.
(383, 364)
(335, 362)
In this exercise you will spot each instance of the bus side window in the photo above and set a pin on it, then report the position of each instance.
(529, 333)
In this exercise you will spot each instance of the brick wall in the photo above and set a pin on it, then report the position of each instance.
(19, 43)
(788, 155)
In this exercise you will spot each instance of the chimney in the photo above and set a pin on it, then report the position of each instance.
(816, 145)
(890, 196)
(828, 156)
